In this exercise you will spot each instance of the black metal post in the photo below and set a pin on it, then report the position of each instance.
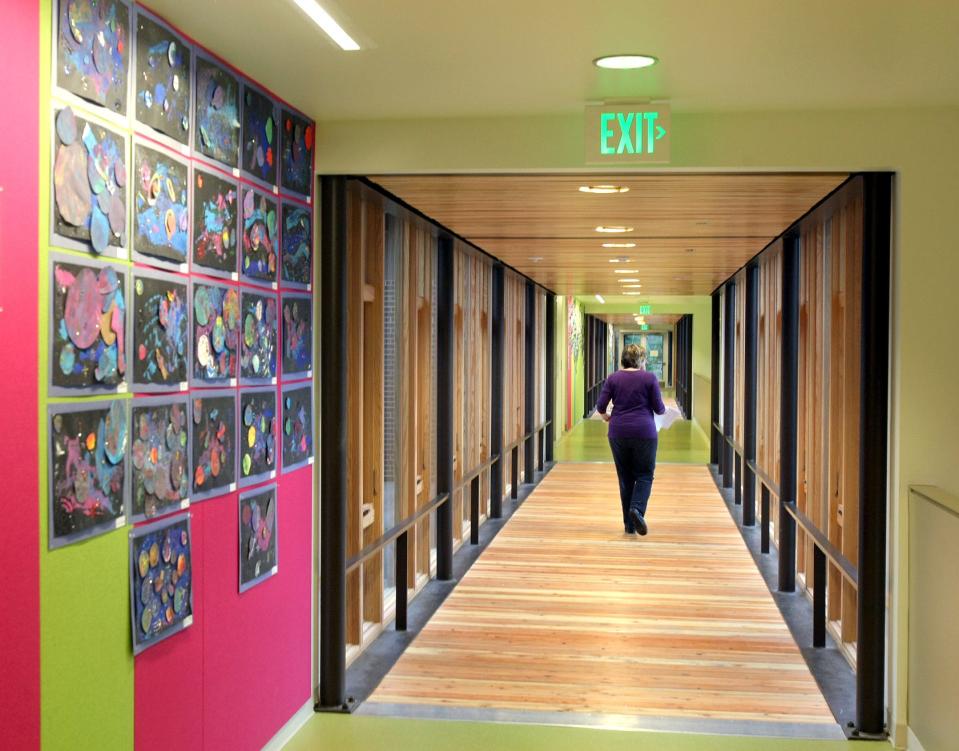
(496, 396)
(818, 597)
(764, 520)
(550, 377)
(689, 367)
(402, 575)
(788, 428)
(445, 390)
(529, 446)
(751, 384)
(873, 426)
(715, 442)
(333, 456)
(514, 480)
(474, 510)
(729, 390)
(737, 478)
(669, 366)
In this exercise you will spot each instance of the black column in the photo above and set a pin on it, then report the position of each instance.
(333, 459)
(496, 395)
(873, 426)
(715, 442)
(444, 405)
(749, 405)
(529, 445)
(729, 388)
(788, 427)
(550, 375)
(669, 365)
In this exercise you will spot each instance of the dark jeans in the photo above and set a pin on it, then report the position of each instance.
(635, 460)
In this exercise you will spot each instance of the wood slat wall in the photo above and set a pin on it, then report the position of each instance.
(514, 379)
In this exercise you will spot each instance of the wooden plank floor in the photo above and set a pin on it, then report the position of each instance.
(563, 612)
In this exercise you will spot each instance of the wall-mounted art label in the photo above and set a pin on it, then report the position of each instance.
(628, 133)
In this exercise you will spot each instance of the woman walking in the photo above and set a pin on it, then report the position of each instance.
(632, 432)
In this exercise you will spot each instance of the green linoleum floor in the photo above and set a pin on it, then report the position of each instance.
(356, 733)
(682, 443)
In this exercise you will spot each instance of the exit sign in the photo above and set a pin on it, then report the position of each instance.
(644, 327)
(627, 133)
(644, 310)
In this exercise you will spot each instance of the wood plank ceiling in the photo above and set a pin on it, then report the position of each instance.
(690, 231)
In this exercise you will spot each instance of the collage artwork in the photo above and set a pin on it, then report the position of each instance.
(180, 306)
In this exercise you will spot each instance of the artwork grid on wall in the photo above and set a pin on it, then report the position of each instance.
(89, 352)
(161, 206)
(216, 91)
(214, 342)
(296, 255)
(259, 559)
(297, 425)
(160, 331)
(161, 580)
(258, 336)
(160, 455)
(215, 207)
(259, 134)
(257, 435)
(213, 442)
(259, 224)
(89, 160)
(162, 81)
(92, 44)
(297, 338)
(87, 467)
(297, 141)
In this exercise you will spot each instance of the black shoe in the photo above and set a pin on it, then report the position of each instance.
(639, 523)
(630, 531)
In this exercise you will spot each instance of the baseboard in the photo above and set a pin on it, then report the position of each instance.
(912, 742)
(285, 734)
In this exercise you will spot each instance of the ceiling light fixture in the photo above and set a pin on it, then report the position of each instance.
(325, 21)
(625, 271)
(623, 281)
(603, 189)
(633, 286)
(614, 229)
(625, 62)
(621, 259)
(632, 293)
(536, 259)
(619, 245)
(601, 299)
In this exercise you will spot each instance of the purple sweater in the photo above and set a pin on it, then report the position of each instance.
(635, 396)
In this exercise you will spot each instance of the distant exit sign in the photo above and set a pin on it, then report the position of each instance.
(644, 310)
(644, 327)
(627, 133)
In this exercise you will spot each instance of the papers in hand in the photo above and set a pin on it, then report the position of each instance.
(666, 419)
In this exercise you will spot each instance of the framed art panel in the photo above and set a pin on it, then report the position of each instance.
(258, 536)
(259, 237)
(257, 435)
(161, 207)
(258, 340)
(162, 78)
(297, 339)
(216, 333)
(296, 236)
(213, 442)
(259, 135)
(87, 467)
(161, 580)
(160, 455)
(160, 331)
(88, 326)
(216, 95)
(297, 425)
(215, 204)
(296, 154)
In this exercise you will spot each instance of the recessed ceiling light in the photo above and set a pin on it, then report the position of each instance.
(536, 259)
(613, 229)
(325, 21)
(601, 299)
(619, 245)
(623, 281)
(624, 62)
(625, 271)
(632, 293)
(632, 286)
(604, 189)
(621, 259)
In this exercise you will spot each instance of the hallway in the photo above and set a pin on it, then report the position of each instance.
(566, 620)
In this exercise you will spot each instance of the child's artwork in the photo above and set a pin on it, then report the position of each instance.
(296, 260)
(257, 434)
(161, 331)
(214, 443)
(260, 136)
(216, 332)
(88, 459)
(161, 219)
(297, 334)
(258, 554)
(89, 185)
(296, 164)
(297, 426)
(259, 236)
(93, 51)
(88, 326)
(161, 580)
(258, 344)
(214, 223)
(217, 113)
(161, 456)
(162, 80)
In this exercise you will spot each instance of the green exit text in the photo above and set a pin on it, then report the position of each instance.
(629, 132)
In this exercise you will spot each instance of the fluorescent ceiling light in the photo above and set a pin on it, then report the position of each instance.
(619, 245)
(625, 271)
(634, 286)
(632, 293)
(613, 229)
(619, 260)
(604, 189)
(325, 21)
(624, 62)
(623, 281)
(601, 299)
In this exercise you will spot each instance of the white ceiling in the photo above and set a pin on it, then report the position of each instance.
(442, 58)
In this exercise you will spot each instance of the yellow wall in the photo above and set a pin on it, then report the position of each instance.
(920, 145)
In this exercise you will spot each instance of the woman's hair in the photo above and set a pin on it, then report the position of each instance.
(633, 356)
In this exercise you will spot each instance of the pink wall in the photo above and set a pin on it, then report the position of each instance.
(20, 554)
(232, 679)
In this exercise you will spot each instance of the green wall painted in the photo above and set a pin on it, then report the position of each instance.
(918, 143)
(86, 661)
